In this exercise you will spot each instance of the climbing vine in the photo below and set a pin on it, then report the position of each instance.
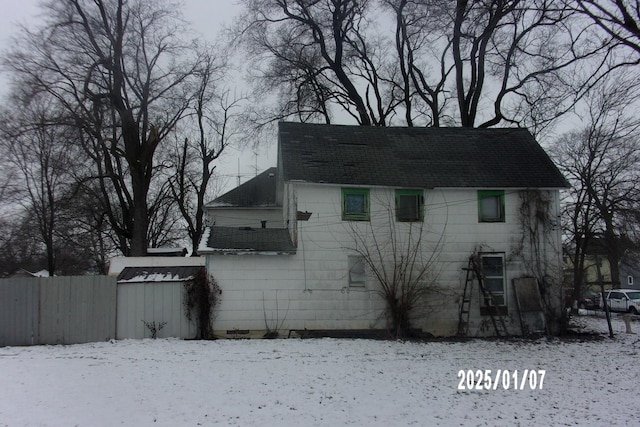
(201, 297)
(535, 247)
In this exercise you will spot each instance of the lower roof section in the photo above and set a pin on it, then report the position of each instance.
(246, 241)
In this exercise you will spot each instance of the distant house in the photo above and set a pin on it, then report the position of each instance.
(251, 204)
(596, 261)
(341, 188)
(630, 271)
(25, 273)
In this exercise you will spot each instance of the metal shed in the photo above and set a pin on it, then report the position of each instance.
(152, 297)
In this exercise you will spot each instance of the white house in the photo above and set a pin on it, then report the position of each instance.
(349, 197)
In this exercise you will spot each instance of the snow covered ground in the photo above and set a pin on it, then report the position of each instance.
(320, 382)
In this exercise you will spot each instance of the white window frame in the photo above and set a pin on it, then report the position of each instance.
(502, 294)
(497, 198)
(356, 271)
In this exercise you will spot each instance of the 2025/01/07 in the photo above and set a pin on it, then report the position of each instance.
(506, 379)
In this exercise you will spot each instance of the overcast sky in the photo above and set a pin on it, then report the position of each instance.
(207, 16)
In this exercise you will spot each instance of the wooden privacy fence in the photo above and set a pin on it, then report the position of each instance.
(57, 310)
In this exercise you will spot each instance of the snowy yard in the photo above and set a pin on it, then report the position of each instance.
(320, 382)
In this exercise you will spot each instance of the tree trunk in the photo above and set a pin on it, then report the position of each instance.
(140, 216)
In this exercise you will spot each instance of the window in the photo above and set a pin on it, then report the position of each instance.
(356, 271)
(630, 280)
(355, 204)
(409, 205)
(616, 295)
(491, 206)
(494, 279)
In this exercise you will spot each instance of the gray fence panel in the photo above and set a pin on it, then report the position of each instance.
(57, 310)
(18, 312)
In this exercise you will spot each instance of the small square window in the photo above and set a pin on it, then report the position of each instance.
(409, 205)
(491, 206)
(355, 204)
(356, 271)
(630, 280)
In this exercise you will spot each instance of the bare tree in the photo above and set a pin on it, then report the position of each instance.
(87, 227)
(213, 117)
(578, 210)
(20, 245)
(530, 50)
(320, 53)
(601, 162)
(401, 258)
(421, 31)
(620, 20)
(123, 74)
(43, 156)
(518, 62)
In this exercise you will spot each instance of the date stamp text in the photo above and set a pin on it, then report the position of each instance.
(487, 379)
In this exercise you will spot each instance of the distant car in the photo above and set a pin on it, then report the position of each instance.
(624, 300)
(588, 300)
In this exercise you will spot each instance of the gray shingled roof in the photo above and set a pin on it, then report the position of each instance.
(249, 240)
(258, 191)
(157, 274)
(415, 157)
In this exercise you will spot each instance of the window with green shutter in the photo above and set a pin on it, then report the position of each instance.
(355, 204)
(491, 205)
(409, 205)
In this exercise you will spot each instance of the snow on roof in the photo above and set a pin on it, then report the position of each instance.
(117, 264)
(41, 273)
(246, 240)
(203, 246)
(157, 274)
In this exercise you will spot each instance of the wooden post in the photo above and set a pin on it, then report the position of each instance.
(603, 296)
(627, 322)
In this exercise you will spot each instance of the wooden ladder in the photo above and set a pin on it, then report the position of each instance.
(474, 271)
(465, 306)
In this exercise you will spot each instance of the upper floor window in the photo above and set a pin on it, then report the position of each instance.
(630, 280)
(409, 205)
(355, 204)
(491, 205)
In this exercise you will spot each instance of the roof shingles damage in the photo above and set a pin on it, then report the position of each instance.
(247, 240)
(415, 157)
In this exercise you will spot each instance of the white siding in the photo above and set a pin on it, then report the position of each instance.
(246, 217)
(311, 288)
